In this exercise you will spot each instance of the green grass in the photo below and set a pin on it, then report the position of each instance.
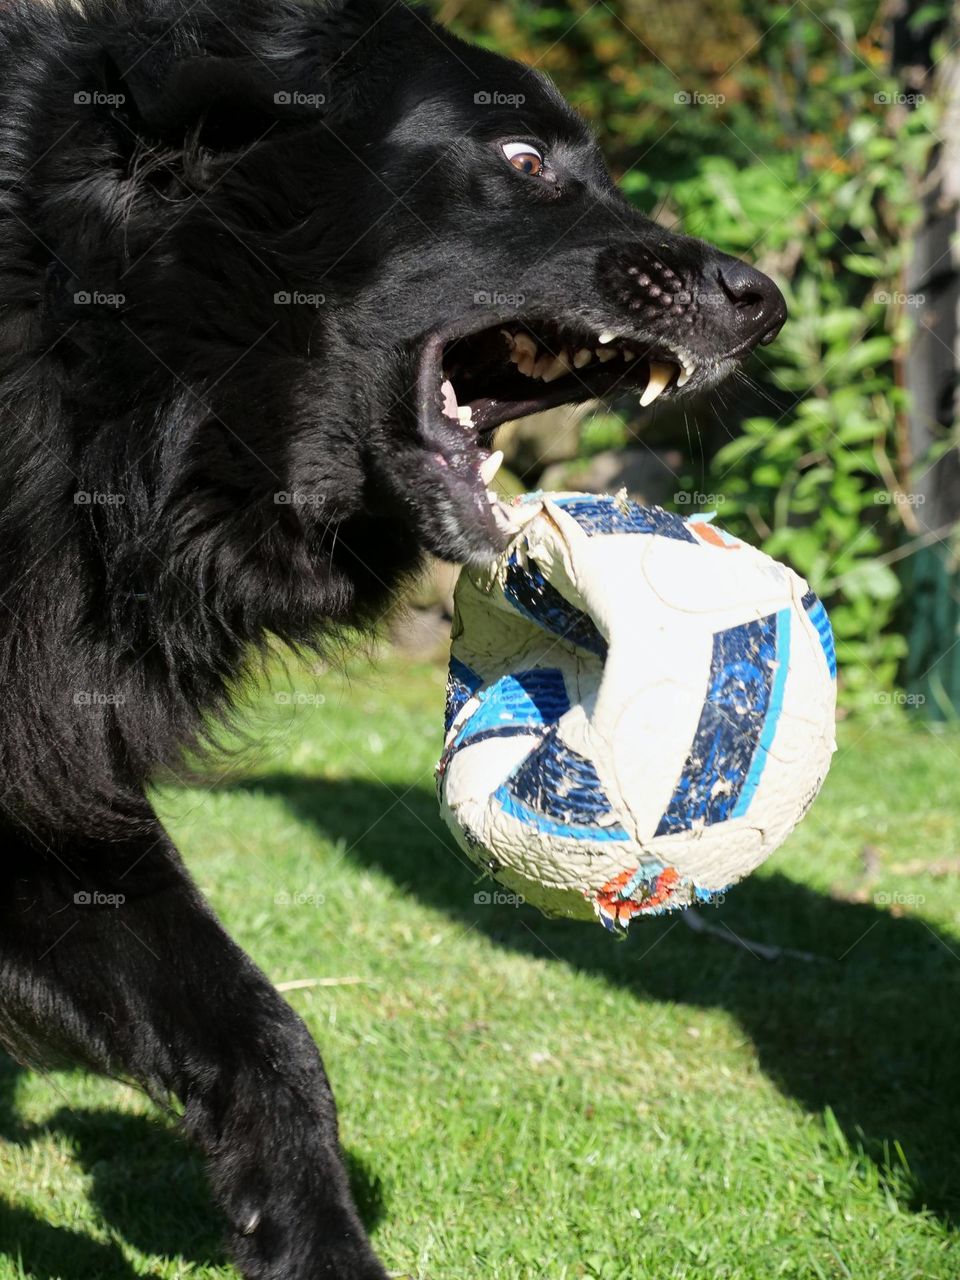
(525, 1099)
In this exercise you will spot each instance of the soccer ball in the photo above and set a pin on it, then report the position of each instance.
(640, 708)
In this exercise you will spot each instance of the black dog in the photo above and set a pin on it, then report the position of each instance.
(244, 247)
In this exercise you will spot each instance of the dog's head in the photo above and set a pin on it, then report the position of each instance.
(363, 244)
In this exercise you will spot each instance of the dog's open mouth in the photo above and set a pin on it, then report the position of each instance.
(470, 384)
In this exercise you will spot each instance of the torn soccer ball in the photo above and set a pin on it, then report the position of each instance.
(640, 708)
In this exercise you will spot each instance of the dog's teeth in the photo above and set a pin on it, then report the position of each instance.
(685, 376)
(605, 353)
(526, 363)
(556, 369)
(629, 355)
(465, 415)
(607, 336)
(660, 375)
(450, 406)
(523, 343)
(490, 466)
(511, 343)
(582, 357)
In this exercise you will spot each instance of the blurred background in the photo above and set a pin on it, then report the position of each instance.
(820, 141)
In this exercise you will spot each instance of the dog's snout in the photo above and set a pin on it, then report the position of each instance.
(758, 305)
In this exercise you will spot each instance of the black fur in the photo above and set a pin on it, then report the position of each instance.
(189, 464)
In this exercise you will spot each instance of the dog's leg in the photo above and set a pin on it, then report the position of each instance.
(110, 957)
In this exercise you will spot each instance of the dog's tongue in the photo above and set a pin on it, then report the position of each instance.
(449, 400)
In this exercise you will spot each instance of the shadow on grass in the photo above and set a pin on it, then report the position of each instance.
(872, 1032)
(146, 1186)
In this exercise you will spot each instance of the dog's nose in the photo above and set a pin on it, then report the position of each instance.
(758, 305)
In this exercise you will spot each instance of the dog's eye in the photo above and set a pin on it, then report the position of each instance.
(524, 157)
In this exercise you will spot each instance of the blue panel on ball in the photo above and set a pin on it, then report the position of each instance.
(607, 515)
(818, 616)
(523, 702)
(740, 695)
(772, 718)
(462, 684)
(531, 594)
(558, 790)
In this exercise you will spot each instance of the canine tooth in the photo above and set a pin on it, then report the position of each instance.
(660, 375)
(490, 466)
(607, 336)
(522, 342)
(629, 355)
(526, 363)
(685, 377)
(465, 415)
(450, 406)
(582, 357)
(605, 353)
(556, 369)
(509, 337)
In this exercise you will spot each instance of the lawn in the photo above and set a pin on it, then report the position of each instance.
(522, 1098)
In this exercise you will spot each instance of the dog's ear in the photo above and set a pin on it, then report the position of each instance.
(230, 79)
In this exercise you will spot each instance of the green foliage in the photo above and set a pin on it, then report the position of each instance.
(602, 431)
(779, 133)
